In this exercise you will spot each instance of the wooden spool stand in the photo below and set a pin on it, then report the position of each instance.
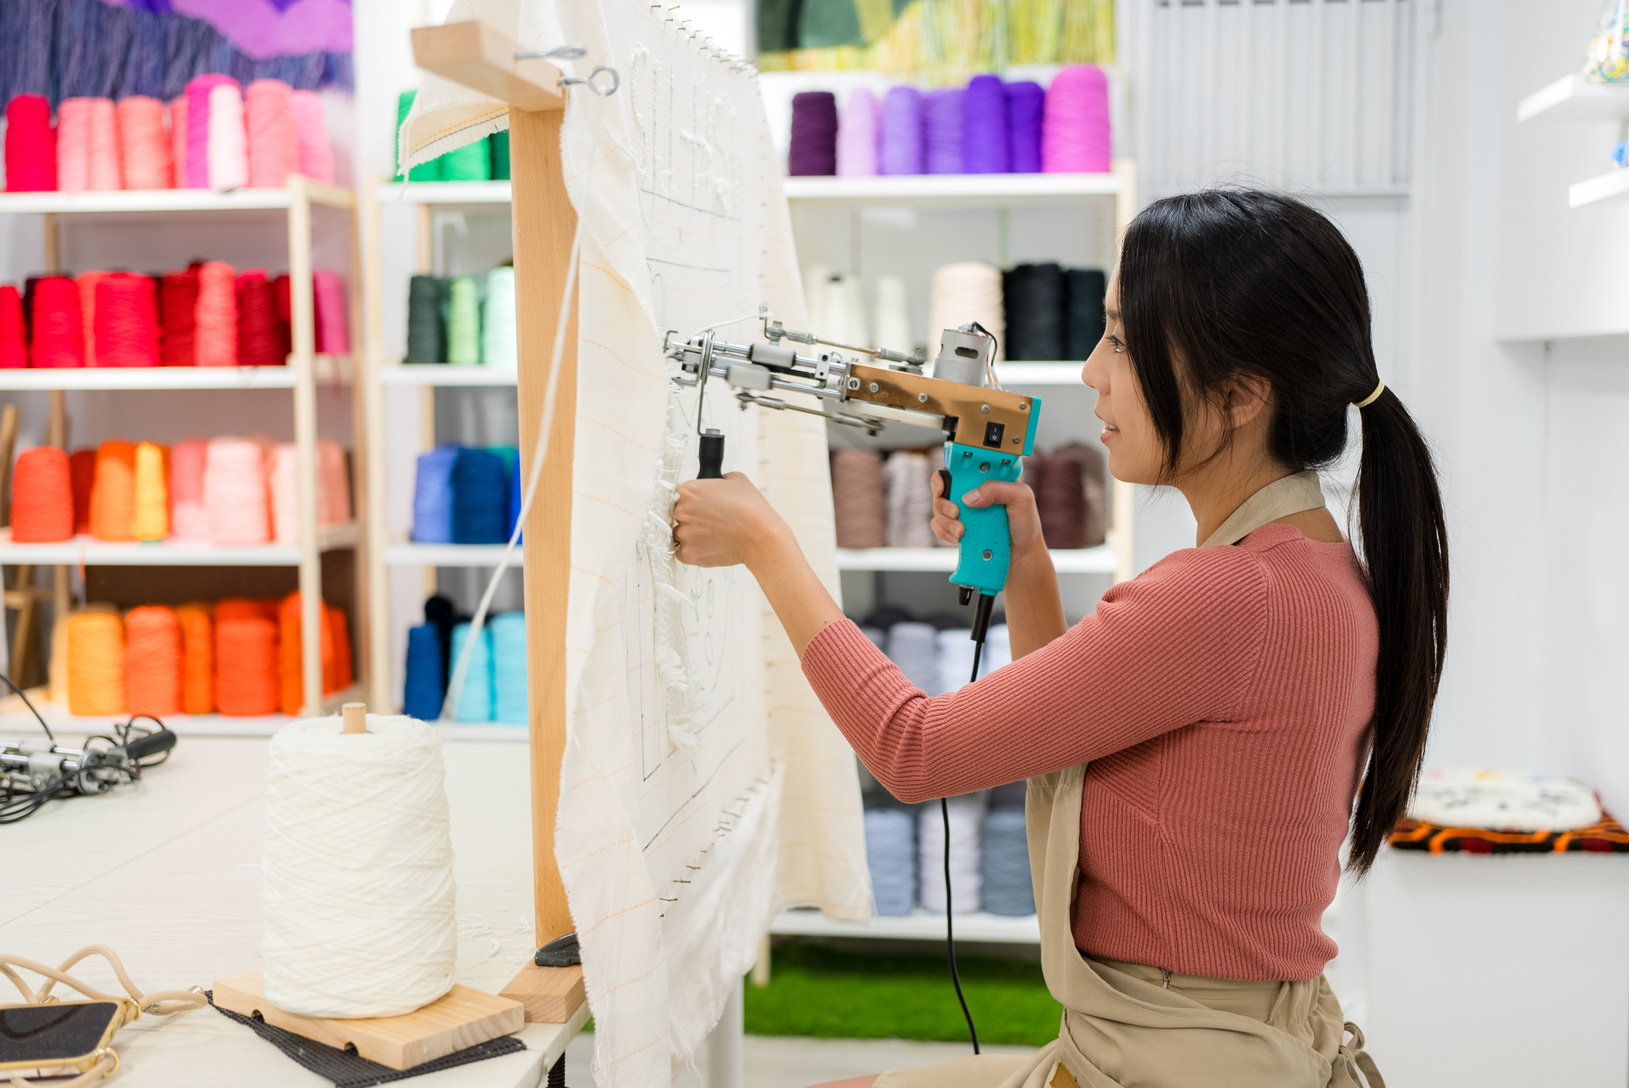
(482, 59)
(459, 1019)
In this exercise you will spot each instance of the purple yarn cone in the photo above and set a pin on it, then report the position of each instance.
(1075, 134)
(858, 135)
(942, 131)
(1024, 103)
(900, 148)
(814, 134)
(984, 127)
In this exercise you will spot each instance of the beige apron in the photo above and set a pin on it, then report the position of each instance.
(1127, 1024)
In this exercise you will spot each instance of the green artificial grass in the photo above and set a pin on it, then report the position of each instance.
(815, 990)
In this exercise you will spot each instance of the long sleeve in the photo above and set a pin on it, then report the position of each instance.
(1178, 645)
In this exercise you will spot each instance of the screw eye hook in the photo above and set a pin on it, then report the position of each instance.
(593, 82)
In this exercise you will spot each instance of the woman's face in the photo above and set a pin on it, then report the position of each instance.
(1136, 455)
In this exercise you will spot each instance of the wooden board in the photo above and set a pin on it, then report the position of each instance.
(481, 58)
(551, 995)
(460, 1019)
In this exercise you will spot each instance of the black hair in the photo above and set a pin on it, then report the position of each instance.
(1245, 282)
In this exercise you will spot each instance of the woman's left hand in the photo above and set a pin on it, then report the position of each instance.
(719, 523)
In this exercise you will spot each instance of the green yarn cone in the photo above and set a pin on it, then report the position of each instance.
(463, 322)
(429, 171)
(498, 144)
(467, 163)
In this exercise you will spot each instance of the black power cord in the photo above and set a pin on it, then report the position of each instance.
(981, 624)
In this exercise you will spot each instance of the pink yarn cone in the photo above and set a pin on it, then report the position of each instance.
(73, 145)
(178, 139)
(105, 172)
(274, 149)
(328, 298)
(197, 126)
(858, 129)
(228, 140)
(144, 144)
(189, 517)
(1075, 134)
(311, 130)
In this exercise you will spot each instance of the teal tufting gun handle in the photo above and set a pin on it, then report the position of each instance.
(986, 544)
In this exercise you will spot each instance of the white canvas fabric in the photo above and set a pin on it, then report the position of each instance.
(678, 841)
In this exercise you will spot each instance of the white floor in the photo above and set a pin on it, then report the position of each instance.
(776, 1061)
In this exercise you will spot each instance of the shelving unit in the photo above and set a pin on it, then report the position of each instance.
(382, 372)
(304, 371)
(997, 194)
(1575, 98)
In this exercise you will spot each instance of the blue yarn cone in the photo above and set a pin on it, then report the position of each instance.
(509, 668)
(433, 496)
(475, 700)
(480, 498)
(426, 687)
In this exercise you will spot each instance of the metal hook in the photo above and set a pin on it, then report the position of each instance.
(559, 52)
(604, 91)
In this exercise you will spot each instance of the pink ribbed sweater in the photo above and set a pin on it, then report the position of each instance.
(1221, 699)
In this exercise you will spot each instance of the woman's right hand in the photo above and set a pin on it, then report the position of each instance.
(1023, 522)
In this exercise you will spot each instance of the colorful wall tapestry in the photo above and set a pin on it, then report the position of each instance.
(938, 41)
(70, 48)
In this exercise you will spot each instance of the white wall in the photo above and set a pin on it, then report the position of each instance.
(1532, 434)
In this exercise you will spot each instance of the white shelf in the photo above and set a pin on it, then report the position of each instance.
(1603, 187)
(15, 719)
(1099, 560)
(1064, 372)
(449, 555)
(444, 192)
(442, 374)
(919, 925)
(150, 201)
(1575, 98)
(169, 553)
(953, 190)
(328, 368)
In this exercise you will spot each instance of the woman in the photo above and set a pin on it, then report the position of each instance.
(1199, 748)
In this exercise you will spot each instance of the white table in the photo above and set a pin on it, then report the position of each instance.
(167, 874)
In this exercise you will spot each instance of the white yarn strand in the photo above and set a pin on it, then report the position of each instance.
(358, 892)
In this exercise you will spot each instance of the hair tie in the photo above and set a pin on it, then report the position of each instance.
(1372, 397)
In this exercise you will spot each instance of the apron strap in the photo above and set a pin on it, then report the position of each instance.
(1287, 495)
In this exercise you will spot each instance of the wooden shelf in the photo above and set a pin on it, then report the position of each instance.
(169, 378)
(449, 555)
(1575, 98)
(953, 190)
(138, 202)
(441, 374)
(90, 552)
(444, 192)
(919, 925)
(1099, 560)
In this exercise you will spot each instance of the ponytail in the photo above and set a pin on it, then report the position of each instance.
(1405, 548)
(1242, 281)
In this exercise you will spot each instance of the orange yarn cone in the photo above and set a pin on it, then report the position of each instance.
(290, 684)
(152, 655)
(113, 496)
(152, 492)
(246, 672)
(96, 677)
(42, 504)
(342, 675)
(197, 658)
(82, 466)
